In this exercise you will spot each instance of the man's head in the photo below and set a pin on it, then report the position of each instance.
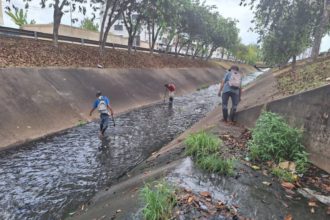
(166, 85)
(98, 93)
(235, 68)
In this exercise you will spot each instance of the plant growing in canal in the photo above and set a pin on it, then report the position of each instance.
(283, 175)
(214, 163)
(202, 144)
(159, 199)
(274, 139)
(204, 148)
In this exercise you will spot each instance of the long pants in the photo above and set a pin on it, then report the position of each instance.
(104, 122)
(234, 99)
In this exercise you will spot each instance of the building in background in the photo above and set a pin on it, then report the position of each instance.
(1, 14)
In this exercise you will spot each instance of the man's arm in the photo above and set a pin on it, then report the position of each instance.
(91, 112)
(93, 109)
(240, 93)
(110, 109)
(221, 87)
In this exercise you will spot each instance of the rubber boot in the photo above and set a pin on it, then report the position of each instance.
(225, 114)
(232, 115)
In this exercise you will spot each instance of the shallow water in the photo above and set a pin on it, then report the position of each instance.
(49, 178)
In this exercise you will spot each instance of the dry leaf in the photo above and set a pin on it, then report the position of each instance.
(205, 194)
(288, 217)
(288, 185)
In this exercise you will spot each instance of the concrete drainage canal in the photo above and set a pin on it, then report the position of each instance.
(48, 178)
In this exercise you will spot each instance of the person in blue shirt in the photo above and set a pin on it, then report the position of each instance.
(231, 86)
(102, 103)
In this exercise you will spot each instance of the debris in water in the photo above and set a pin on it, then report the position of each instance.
(206, 194)
(267, 183)
(308, 193)
(255, 167)
(288, 185)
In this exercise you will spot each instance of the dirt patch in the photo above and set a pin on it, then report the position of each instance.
(24, 52)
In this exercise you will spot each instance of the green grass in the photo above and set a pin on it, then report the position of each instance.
(204, 148)
(283, 175)
(203, 87)
(216, 164)
(202, 144)
(273, 139)
(309, 76)
(81, 122)
(159, 201)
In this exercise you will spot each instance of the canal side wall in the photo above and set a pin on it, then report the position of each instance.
(310, 111)
(39, 101)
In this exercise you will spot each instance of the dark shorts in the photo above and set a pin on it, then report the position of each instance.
(104, 121)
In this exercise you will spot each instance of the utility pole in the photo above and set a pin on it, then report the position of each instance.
(1, 14)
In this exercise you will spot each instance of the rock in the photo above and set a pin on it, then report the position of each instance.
(255, 167)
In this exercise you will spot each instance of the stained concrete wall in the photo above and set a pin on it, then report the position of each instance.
(40, 101)
(308, 110)
(67, 30)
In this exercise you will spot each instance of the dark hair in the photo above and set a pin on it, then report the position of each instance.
(99, 93)
(234, 67)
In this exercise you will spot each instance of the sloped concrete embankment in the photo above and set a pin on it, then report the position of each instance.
(308, 110)
(40, 101)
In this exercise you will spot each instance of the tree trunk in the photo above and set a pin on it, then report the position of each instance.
(222, 53)
(320, 30)
(57, 21)
(130, 43)
(105, 15)
(188, 47)
(211, 53)
(293, 67)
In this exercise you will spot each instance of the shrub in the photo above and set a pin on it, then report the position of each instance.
(159, 201)
(274, 139)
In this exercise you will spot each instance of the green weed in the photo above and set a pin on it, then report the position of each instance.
(203, 87)
(81, 122)
(159, 201)
(283, 175)
(274, 139)
(202, 144)
(204, 148)
(215, 164)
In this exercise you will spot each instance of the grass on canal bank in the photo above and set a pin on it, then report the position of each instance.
(159, 200)
(204, 148)
(273, 139)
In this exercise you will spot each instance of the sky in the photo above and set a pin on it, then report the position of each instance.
(227, 8)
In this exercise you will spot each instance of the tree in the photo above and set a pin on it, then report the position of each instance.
(19, 17)
(321, 25)
(60, 7)
(113, 9)
(133, 17)
(290, 38)
(268, 13)
(88, 24)
(285, 28)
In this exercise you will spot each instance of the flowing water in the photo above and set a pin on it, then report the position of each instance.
(48, 178)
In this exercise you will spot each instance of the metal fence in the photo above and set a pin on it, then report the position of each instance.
(6, 31)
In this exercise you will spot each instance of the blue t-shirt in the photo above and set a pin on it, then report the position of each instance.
(97, 101)
(227, 87)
